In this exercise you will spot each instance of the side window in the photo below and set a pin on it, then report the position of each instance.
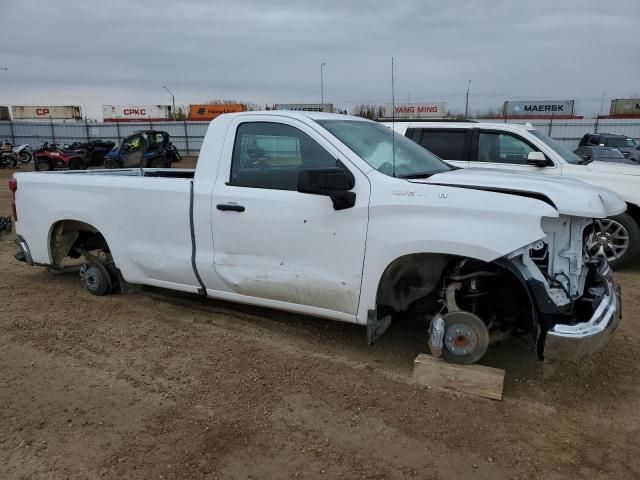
(269, 155)
(502, 148)
(447, 144)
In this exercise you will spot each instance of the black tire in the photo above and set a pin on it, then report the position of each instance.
(25, 157)
(612, 241)
(77, 164)
(96, 279)
(43, 165)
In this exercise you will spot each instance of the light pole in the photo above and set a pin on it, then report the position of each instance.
(322, 82)
(466, 108)
(173, 102)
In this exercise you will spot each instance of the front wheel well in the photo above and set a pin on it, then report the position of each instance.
(416, 285)
(634, 212)
(70, 236)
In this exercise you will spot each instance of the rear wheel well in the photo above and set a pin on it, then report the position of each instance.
(69, 236)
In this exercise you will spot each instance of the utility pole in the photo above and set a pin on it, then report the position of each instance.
(173, 102)
(466, 108)
(322, 82)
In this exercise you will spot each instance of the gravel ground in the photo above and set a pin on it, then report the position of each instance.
(163, 385)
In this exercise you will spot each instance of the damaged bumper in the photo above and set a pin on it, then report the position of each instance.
(570, 342)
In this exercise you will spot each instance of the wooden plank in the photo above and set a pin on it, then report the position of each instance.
(471, 379)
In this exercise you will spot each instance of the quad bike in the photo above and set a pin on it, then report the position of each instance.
(24, 152)
(93, 151)
(144, 149)
(52, 156)
(8, 158)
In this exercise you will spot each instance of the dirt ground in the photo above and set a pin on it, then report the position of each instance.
(159, 385)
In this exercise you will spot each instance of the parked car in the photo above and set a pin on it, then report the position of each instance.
(522, 148)
(148, 148)
(602, 154)
(335, 216)
(621, 142)
(51, 156)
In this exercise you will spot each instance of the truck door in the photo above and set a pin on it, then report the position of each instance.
(272, 242)
(132, 151)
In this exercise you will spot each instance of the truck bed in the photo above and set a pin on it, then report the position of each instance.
(143, 214)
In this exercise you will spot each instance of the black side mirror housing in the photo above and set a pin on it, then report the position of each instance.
(332, 182)
(537, 159)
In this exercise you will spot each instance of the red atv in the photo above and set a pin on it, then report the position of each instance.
(51, 156)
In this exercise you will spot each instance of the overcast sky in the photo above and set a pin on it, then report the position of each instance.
(119, 52)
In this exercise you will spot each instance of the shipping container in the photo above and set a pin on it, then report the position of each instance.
(4, 113)
(415, 111)
(46, 112)
(539, 109)
(305, 107)
(209, 112)
(135, 113)
(625, 107)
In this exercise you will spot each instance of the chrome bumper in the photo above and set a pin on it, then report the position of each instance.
(570, 342)
(24, 255)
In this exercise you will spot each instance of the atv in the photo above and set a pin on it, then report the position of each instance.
(145, 149)
(93, 151)
(54, 156)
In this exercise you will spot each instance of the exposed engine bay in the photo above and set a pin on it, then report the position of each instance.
(470, 304)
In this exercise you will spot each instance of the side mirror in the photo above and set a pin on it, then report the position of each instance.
(537, 159)
(332, 182)
(585, 156)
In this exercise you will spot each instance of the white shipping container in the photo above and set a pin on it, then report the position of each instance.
(415, 111)
(45, 112)
(132, 113)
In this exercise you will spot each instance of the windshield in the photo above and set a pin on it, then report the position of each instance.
(560, 149)
(620, 142)
(374, 143)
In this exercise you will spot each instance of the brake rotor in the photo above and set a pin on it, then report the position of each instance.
(466, 338)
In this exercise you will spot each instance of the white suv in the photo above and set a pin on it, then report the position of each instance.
(522, 148)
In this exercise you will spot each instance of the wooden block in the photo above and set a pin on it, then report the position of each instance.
(471, 379)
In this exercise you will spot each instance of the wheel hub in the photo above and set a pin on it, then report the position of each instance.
(461, 339)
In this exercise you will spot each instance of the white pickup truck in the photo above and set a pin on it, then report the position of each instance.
(334, 216)
(523, 148)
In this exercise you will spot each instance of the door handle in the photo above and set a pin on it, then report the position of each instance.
(230, 207)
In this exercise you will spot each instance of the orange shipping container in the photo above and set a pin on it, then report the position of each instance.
(209, 112)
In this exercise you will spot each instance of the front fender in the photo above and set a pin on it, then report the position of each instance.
(438, 219)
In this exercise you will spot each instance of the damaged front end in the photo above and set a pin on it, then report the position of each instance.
(576, 299)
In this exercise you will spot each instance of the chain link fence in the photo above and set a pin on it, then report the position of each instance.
(187, 136)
